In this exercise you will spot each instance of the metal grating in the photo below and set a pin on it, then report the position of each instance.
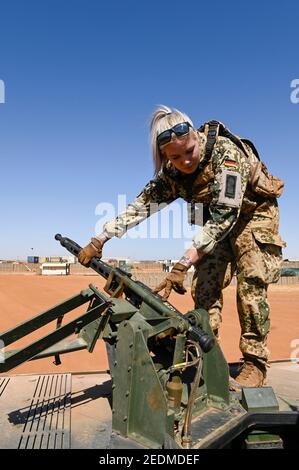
(36, 412)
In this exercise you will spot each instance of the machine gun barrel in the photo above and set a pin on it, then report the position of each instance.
(99, 266)
(137, 292)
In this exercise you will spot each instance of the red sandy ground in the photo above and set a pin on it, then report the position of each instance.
(23, 296)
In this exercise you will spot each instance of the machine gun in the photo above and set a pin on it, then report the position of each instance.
(170, 381)
(137, 293)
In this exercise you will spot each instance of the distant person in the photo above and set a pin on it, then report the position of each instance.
(240, 234)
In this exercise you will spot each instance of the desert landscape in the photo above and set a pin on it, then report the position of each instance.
(23, 296)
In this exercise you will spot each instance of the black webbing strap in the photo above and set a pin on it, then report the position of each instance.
(217, 128)
(211, 138)
(251, 145)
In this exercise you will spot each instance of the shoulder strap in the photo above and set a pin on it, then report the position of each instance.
(211, 129)
(214, 128)
(251, 145)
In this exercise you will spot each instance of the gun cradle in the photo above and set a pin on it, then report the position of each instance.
(170, 380)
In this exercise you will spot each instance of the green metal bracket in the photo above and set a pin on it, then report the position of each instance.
(53, 343)
(139, 403)
(215, 368)
(42, 319)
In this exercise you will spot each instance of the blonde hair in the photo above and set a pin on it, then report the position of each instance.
(163, 119)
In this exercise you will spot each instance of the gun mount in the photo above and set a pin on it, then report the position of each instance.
(169, 378)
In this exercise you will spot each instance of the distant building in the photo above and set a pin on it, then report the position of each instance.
(55, 269)
(71, 259)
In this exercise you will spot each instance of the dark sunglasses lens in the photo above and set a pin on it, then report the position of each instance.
(164, 137)
(181, 129)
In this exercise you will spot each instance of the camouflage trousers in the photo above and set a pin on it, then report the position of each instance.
(257, 262)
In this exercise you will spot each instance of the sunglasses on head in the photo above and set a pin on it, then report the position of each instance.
(178, 130)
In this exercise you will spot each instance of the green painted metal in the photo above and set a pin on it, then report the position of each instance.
(138, 415)
(62, 347)
(263, 440)
(16, 357)
(170, 380)
(42, 319)
(137, 293)
(259, 399)
(215, 367)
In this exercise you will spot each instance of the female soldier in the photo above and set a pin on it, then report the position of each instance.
(240, 231)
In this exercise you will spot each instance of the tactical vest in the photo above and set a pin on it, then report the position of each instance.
(196, 186)
(260, 181)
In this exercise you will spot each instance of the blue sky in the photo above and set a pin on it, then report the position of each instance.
(81, 81)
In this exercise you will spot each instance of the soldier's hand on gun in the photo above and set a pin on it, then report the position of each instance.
(93, 249)
(174, 280)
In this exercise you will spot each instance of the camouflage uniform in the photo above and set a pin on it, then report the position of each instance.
(239, 235)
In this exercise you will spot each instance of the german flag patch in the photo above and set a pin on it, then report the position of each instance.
(229, 163)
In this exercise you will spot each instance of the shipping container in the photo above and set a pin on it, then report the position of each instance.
(32, 259)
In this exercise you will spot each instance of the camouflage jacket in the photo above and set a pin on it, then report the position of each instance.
(220, 185)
